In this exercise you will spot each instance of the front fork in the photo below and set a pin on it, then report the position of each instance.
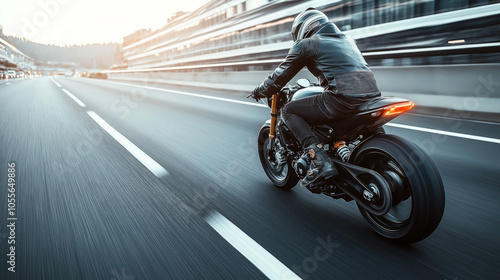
(274, 119)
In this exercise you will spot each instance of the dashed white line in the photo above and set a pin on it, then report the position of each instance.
(57, 84)
(69, 94)
(256, 254)
(146, 160)
(74, 98)
(447, 133)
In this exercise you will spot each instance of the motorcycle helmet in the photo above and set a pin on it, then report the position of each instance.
(307, 21)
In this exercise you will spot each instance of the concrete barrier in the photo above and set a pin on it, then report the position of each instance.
(472, 91)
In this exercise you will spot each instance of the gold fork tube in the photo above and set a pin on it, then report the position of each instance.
(274, 115)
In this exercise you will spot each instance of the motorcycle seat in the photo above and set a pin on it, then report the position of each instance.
(343, 127)
(380, 102)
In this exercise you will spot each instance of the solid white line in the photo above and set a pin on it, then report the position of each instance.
(262, 259)
(74, 98)
(57, 84)
(195, 95)
(147, 161)
(442, 132)
(454, 134)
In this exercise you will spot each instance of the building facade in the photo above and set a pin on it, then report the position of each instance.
(246, 35)
(12, 58)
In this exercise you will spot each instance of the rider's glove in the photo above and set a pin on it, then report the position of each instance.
(256, 94)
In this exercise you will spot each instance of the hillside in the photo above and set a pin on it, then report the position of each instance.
(101, 56)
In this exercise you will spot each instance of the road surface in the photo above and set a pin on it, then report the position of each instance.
(115, 180)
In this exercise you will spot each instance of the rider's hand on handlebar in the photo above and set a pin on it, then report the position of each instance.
(256, 94)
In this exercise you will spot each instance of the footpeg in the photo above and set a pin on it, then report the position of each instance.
(316, 187)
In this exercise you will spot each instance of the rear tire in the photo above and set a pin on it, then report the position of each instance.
(283, 176)
(416, 185)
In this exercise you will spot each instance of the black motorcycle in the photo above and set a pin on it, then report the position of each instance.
(394, 183)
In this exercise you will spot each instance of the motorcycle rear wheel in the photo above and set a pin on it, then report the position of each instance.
(282, 175)
(416, 185)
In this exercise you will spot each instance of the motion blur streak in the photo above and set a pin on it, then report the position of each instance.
(195, 95)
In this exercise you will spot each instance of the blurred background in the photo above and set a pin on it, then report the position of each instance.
(442, 45)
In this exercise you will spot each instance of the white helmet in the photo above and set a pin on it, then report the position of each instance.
(306, 22)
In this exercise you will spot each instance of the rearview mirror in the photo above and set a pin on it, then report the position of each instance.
(303, 83)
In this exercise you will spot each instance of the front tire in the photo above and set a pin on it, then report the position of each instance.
(282, 175)
(416, 185)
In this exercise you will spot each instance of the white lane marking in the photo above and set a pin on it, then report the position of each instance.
(74, 98)
(262, 259)
(452, 119)
(147, 161)
(8, 84)
(442, 132)
(447, 133)
(57, 84)
(196, 95)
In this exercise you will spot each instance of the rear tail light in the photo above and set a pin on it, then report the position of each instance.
(398, 109)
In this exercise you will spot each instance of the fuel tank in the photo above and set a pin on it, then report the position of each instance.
(306, 92)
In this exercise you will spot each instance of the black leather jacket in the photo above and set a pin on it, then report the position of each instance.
(330, 56)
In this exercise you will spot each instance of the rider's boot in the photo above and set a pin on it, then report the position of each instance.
(321, 166)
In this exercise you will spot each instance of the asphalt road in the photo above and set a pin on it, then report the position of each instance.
(124, 181)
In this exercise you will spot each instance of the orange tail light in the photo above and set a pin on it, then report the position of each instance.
(398, 109)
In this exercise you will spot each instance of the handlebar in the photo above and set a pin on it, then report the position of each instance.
(285, 91)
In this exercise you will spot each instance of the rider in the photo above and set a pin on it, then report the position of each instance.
(341, 70)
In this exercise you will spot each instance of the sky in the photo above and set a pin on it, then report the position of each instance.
(77, 22)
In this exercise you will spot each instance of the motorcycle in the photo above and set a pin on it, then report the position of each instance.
(395, 184)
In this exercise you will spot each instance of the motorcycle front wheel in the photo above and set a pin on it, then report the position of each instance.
(279, 171)
(416, 186)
